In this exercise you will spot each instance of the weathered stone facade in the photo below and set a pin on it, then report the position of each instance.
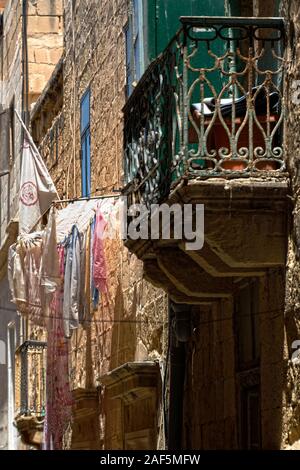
(222, 387)
(291, 410)
(44, 47)
(44, 43)
(213, 381)
(132, 325)
(115, 361)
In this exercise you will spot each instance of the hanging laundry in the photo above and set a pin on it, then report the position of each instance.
(86, 293)
(59, 397)
(70, 216)
(24, 274)
(33, 263)
(99, 263)
(94, 290)
(37, 190)
(32, 266)
(16, 277)
(72, 283)
(82, 295)
(56, 277)
(33, 272)
(50, 275)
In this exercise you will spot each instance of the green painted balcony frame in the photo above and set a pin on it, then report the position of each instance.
(199, 113)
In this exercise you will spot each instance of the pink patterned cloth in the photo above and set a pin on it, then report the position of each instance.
(32, 268)
(99, 268)
(59, 397)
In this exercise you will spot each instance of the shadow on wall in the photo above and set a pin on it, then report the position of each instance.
(292, 384)
(120, 343)
(124, 331)
(232, 406)
(273, 363)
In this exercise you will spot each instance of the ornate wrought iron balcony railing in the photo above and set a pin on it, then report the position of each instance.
(210, 105)
(30, 379)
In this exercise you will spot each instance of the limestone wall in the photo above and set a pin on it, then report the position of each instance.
(44, 34)
(44, 40)
(132, 324)
(211, 422)
(11, 93)
(291, 411)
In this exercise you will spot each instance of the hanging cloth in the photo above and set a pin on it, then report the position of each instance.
(59, 398)
(99, 263)
(72, 283)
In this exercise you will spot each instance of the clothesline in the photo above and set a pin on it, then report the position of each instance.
(161, 322)
(75, 233)
(103, 196)
(57, 277)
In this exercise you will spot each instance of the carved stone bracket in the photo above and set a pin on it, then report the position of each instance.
(30, 429)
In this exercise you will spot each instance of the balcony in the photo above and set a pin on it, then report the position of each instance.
(205, 124)
(30, 390)
(211, 105)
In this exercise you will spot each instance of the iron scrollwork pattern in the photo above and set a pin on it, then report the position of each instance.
(153, 123)
(210, 105)
(30, 383)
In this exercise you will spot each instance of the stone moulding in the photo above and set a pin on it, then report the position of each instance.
(132, 381)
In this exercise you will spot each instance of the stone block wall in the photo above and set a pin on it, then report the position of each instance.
(95, 58)
(44, 27)
(44, 50)
(131, 324)
(213, 377)
(11, 92)
(291, 398)
(211, 421)
(45, 42)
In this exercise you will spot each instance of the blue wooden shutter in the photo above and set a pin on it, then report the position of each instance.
(137, 39)
(134, 45)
